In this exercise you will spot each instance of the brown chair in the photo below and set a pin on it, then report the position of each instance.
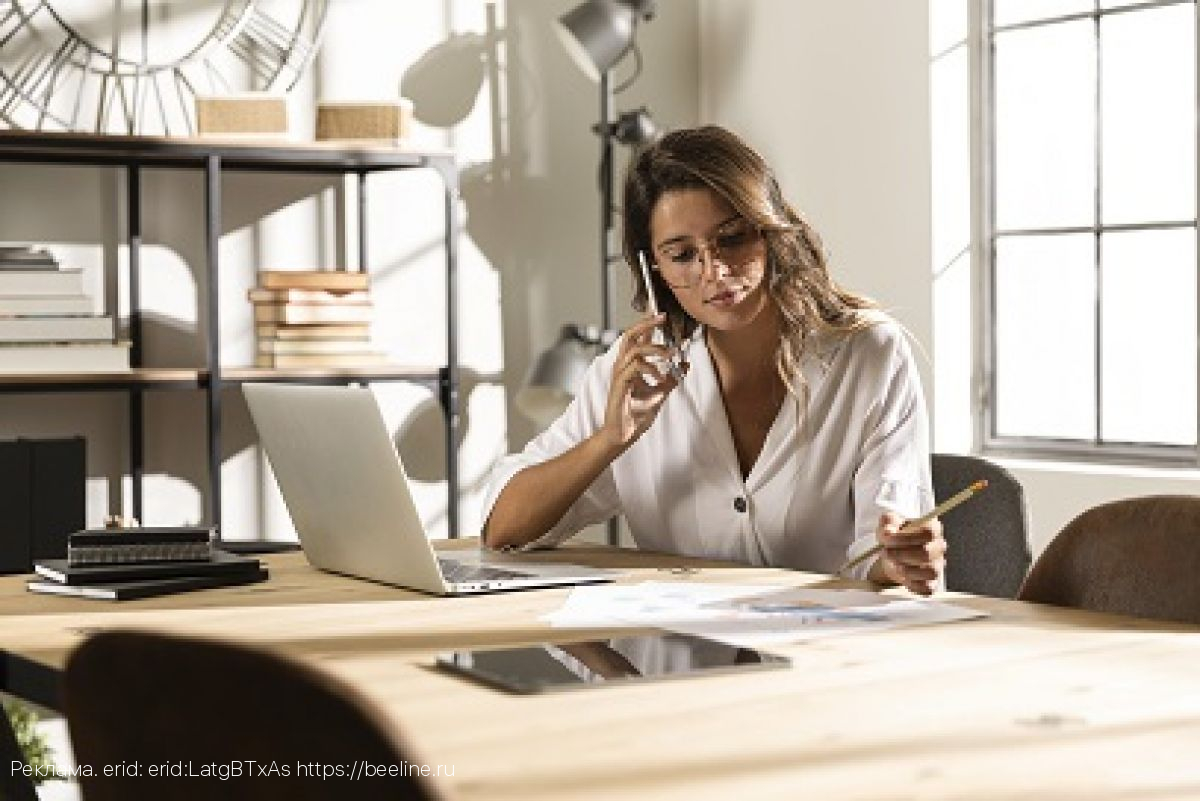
(1139, 556)
(163, 700)
(15, 785)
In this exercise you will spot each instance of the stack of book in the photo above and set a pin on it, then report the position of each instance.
(47, 320)
(313, 318)
(122, 564)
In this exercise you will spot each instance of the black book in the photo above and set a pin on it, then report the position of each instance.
(16, 534)
(144, 535)
(146, 588)
(57, 494)
(221, 564)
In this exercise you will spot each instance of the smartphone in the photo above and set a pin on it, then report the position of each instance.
(660, 336)
(621, 660)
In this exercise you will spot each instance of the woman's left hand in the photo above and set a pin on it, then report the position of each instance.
(914, 559)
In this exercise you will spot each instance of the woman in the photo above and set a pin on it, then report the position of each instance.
(794, 435)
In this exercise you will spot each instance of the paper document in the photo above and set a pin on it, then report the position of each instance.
(652, 603)
(749, 615)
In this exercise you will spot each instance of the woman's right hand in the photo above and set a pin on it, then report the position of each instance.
(538, 496)
(640, 384)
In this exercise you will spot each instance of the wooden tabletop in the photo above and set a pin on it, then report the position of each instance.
(1030, 703)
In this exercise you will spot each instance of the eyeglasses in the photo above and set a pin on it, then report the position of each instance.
(681, 262)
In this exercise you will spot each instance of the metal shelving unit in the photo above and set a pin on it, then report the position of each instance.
(214, 158)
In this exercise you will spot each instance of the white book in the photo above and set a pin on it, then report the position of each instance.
(79, 357)
(278, 346)
(57, 329)
(33, 305)
(351, 298)
(56, 283)
(320, 360)
(357, 331)
(305, 314)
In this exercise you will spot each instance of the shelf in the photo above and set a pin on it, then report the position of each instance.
(152, 378)
(214, 157)
(139, 378)
(234, 154)
(330, 375)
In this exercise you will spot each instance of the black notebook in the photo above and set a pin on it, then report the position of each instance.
(221, 564)
(134, 545)
(146, 588)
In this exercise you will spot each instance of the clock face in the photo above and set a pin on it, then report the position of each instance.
(136, 66)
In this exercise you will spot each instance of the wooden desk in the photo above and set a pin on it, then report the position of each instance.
(1032, 703)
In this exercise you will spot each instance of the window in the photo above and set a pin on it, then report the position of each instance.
(1090, 227)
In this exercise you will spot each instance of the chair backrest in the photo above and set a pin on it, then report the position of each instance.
(173, 701)
(987, 537)
(1139, 556)
(15, 784)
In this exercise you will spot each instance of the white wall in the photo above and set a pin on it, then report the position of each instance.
(836, 97)
(528, 260)
(1057, 492)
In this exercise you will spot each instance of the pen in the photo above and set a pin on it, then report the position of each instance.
(911, 525)
(653, 304)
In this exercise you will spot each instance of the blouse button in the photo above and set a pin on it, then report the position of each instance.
(739, 504)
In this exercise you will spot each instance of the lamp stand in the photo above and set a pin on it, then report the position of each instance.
(606, 196)
(605, 129)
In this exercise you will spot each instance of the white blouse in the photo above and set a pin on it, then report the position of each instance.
(814, 495)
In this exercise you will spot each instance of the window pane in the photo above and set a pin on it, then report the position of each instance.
(1123, 3)
(950, 134)
(1007, 12)
(1045, 336)
(953, 352)
(1045, 124)
(1148, 102)
(947, 25)
(1148, 330)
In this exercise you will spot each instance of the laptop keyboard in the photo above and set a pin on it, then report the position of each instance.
(458, 572)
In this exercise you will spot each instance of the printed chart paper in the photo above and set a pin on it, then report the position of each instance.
(749, 615)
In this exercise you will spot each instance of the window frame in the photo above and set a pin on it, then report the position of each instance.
(984, 148)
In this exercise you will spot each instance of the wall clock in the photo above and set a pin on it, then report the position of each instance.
(136, 66)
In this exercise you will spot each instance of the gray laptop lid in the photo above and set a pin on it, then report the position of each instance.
(343, 483)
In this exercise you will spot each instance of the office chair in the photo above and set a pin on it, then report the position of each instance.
(987, 539)
(1138, 556)
(166, 700)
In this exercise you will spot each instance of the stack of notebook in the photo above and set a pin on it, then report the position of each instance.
(122, 564)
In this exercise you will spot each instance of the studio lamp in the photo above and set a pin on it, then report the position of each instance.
(597, 34)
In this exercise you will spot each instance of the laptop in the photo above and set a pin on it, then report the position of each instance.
(349, 498)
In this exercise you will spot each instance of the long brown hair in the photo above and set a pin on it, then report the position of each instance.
(797, 274)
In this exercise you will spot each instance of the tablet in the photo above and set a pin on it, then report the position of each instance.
(621, 660)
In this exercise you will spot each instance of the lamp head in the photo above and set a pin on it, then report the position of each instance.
(635, 127)
(598, 33)
(555, 376)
